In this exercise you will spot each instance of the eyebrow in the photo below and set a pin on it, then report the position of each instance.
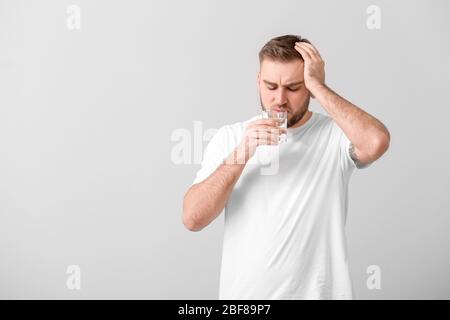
(286, 85)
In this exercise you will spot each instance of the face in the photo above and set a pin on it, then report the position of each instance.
(281, 86)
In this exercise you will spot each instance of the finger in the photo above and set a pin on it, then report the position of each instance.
(263, 121)
(311, 53)
(259, 134)
(303, 52)
(266, 138)
(269, 122)
(263, 133)
(262, 138)
(314, 49)
(276, 129)
(266, 131)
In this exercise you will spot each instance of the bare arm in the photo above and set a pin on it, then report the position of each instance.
(205, 200)
(369, 137)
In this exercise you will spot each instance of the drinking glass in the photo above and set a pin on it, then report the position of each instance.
(281, 117)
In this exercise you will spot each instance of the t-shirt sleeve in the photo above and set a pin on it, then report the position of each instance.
(215, 152)
(347, 163)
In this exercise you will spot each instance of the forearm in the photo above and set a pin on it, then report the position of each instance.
(365, 131)
(204, 201)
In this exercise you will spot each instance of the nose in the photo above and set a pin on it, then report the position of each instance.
(280, 97)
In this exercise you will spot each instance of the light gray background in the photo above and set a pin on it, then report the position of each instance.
(86, 176)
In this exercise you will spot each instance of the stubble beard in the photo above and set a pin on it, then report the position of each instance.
(295, 118)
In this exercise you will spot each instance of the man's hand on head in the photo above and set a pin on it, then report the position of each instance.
(314, 72)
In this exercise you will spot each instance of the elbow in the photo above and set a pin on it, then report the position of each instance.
(378, 146)
(189, 220)
(383, 143)
(190, 223)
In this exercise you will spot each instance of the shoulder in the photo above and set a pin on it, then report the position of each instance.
(329, 122)
(327, 129)
(236, 129)
(242, 124)
(324, 124)
(324, 119)
(229, 133)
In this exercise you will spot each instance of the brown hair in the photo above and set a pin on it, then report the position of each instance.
(282, 49)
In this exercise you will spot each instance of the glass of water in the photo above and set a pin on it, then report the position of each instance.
(281, 117)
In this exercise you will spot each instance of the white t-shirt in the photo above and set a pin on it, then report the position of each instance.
(284, 235)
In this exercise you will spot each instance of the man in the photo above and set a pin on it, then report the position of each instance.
(284, 234)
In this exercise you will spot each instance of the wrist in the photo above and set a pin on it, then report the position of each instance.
(317, 88)
(239, 156)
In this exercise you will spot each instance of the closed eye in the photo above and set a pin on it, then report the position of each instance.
(290, 89)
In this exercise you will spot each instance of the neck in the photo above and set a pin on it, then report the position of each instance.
(303, 120)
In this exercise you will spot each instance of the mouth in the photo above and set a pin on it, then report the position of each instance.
(276, 108)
